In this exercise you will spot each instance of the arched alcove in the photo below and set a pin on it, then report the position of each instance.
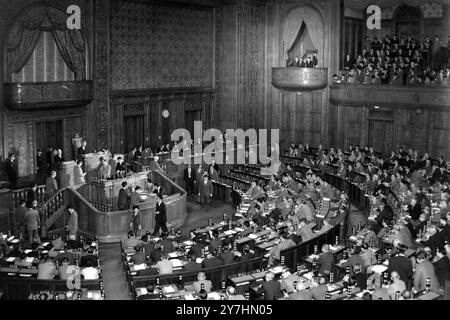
(303, 30)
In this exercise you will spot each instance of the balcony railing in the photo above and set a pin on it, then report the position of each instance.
(299, 79)
(38, 95)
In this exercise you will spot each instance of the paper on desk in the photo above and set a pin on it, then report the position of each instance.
(138, 267)
(27, 251)
(10, 238)
(90, 294)
(29, 259)
(176, 263)
(229, 232)
(214, 295)
(276, 269)
(169, 289)
(239, 229)
(189, 297)
(252, 236)
(188, 243)
(333, 248)
(45, 244)
(379, 268)
(10, 259)
(142, 291)
(308, 275)
(173, 254)
(15, 241)
(353, 238)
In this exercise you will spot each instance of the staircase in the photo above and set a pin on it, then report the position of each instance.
(53, 209)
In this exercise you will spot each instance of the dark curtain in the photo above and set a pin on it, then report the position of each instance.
(24, 34)
(21, 41)
(72, 49)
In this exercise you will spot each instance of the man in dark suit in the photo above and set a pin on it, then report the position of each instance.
(124, 197)
(386, 214)
(81, 154)
(51, 185)
(414, 209)
(205, 191)
(361, 277)
(271, 288)
(227, 256)
(402, 265)
(192, 264)
(326, 259)
(160, 217)
(212, 260)
(11, 170)
(189, 179)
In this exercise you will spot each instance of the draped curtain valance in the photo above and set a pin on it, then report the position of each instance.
(24, 33)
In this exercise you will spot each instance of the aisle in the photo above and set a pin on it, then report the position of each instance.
(116, 286)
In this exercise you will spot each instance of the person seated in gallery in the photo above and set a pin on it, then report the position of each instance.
(201, 280)
(121, 168)
(58, 158)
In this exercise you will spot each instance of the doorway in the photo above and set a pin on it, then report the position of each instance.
(381, 135)
(134, 132)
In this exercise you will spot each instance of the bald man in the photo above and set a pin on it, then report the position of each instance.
(396, 285)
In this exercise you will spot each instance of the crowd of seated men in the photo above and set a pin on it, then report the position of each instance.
(50, 259)
(399, 62)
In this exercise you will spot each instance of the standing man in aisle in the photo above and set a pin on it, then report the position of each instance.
(160, 217)
(205, 191)
(72, 225)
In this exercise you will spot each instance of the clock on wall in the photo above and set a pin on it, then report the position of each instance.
(165, 113)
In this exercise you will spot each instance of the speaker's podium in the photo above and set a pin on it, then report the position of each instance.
(97, 205)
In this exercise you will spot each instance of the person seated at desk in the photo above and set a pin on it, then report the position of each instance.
(247, 229)
(424, 270)
(192, 264)
(167, 244)
(89, 272)
(164, 266)
(215, 242)
(157, 253)
(89, 257)
(104, 172)
(66, 269)
(58, 243)
(441, 265)
(303, 211)
(354, 258)
(140, 256)
(201, 280)
(151, 293)
(367, 256)
(46, 269)
(360, 276)
(396, 285)
(231, 294)
(288, 279)
(402, 265)
(305, 231)
(271, 288)
(22, 262)
(131, 241)
(274, 253)
(212, 260)
(227, 256)
(326, 259)
(247, 254)
(318, 288)
(255, 192)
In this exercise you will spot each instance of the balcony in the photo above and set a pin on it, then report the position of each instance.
(43, 95)
(299, 79)
(390, 96)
